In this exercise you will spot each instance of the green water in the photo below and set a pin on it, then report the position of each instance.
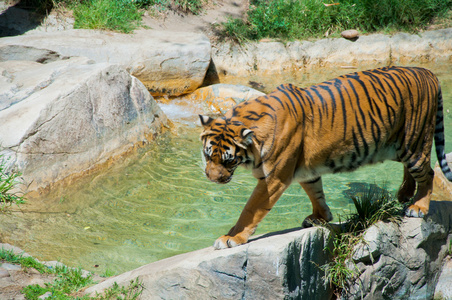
(158, 203)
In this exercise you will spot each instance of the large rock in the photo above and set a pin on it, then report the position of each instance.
(167, 64)
(394, 261)
(269, 58)
(403, 261)
(63, 117)
(280, 266)
(443, 289)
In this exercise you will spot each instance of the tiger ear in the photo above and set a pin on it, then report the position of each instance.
(246, 139)
(205, 120)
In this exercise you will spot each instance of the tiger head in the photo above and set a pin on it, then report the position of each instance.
(225, 144)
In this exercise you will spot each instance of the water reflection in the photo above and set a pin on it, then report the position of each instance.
(159, 203)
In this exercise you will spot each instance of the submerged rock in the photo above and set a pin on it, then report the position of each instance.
(69, 116)
(219, 98)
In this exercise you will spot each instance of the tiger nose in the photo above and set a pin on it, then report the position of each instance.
(218, 175)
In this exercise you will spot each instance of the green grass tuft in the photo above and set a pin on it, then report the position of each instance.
(68, 281)
(8, 182)
(122, 16)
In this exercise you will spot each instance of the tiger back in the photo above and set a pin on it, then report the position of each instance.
(391, 113)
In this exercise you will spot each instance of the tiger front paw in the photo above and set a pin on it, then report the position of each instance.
(317, 219)
(227, 241)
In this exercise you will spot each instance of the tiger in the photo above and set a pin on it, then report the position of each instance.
(299, 134)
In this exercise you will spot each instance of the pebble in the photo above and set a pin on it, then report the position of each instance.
(350, 34)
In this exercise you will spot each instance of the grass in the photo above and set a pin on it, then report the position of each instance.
(294, 19)
(8, 184)
(68, 281)
(122, 16)
(373, 205)
(281, 19)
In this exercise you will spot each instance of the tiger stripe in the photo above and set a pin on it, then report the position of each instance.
(391, 113)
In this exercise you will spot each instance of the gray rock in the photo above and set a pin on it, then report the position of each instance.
(170, 64)
(406, 259)
(281, 265)
(444, 287)
(368, 51)
(71, 116)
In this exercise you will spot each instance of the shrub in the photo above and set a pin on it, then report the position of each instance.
(123, 16)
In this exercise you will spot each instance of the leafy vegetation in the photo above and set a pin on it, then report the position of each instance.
(67, 282)
(293, 19)
(372, 205)
(123, 16)
(8, 182)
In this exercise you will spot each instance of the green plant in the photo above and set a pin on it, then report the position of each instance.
(8, 183)
(338, 272)
(293, 19)
(26, 262)
(117, 15)
(67, 281)
(373, 205)
(132, 291)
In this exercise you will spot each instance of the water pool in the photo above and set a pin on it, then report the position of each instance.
(158, 203)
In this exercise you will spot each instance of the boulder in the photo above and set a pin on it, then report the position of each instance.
(64, 117)
(402, 261)
(167, 64)
(443, 289)
(282, 265)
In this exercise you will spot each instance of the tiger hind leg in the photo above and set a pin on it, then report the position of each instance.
(408, 187)
(423, 175)
(320, 210)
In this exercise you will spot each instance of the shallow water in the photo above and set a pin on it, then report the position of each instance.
(159, 203)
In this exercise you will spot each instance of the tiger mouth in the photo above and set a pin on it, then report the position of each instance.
(221, 181)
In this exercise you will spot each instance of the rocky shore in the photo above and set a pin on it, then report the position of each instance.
(74, 101)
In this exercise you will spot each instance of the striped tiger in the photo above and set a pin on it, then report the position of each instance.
(390, 113)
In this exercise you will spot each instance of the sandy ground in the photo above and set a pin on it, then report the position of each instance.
(217, 11)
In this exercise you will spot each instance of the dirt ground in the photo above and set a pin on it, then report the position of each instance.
(216, 12)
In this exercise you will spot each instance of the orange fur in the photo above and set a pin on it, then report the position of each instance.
(336, 126)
